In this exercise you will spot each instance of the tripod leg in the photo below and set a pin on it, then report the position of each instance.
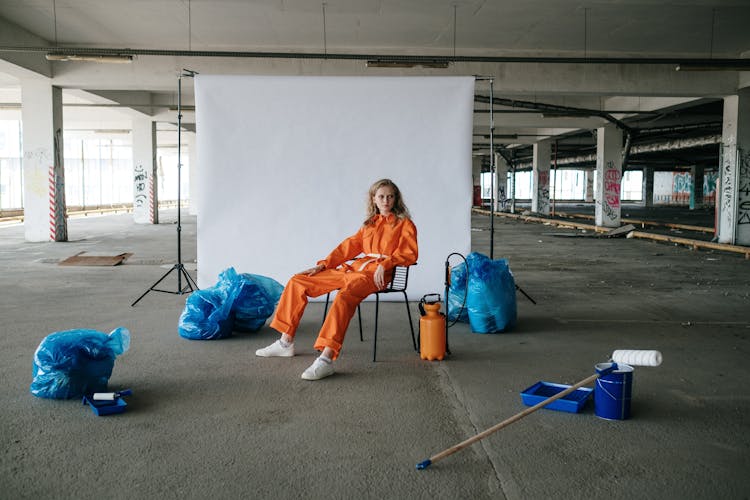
(189, 283)
(190, 278)
(525, 294)
(154, 285)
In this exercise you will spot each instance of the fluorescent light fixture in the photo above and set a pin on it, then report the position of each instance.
(497, 136)
(100, 58)
(407, 63)
(708, 66)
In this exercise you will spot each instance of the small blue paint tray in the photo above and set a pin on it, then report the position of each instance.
(571, 403)
(102, 408)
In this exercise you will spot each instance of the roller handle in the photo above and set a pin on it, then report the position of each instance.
(518, 416)
(625, 356)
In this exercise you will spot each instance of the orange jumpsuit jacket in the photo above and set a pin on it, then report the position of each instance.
(388, 241)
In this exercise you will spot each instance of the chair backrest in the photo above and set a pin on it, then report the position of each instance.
(400, 279)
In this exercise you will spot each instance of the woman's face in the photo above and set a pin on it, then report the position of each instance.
(384, 198)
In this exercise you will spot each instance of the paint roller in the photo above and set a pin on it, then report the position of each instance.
(110, 396)
(634, 357)
(637, 357)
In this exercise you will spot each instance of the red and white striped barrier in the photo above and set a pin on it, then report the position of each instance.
(52, 211)
(151, 199)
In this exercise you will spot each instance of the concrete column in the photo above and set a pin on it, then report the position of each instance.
(696, 193)
(144, 157)
(648, 187)
(501, 182)
(608, 176)
(45, 218)
(589, 197)
(733, 199)
(193, 173)
(154, 185)
(540, 182)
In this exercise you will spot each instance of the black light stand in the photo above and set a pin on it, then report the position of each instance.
(492, 172)
(492, 193)
(179, 267)
(492, 162)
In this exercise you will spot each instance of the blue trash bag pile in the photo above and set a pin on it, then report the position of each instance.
(74, 363)
(237, 301)
(208, 312)
(490, 305)
(255, 301)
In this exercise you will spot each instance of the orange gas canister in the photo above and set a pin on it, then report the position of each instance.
(432, 343)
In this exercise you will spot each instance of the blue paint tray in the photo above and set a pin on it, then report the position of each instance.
(102, 408)
(571, 403)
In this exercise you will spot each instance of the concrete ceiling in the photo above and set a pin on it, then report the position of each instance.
(580, 61)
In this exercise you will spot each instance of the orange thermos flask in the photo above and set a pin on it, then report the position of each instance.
(432, 343)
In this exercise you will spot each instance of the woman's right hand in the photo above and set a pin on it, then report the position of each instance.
(313, 270)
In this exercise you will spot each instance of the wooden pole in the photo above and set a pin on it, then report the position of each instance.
(504, 423)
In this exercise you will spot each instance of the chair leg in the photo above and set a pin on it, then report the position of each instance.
(411, 326)
(359, 317)
(375, 337)
(325, 311)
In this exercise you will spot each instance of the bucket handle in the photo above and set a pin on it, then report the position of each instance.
(602, 373)
(599, 383)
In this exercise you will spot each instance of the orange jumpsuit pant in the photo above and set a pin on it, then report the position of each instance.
(353, 287)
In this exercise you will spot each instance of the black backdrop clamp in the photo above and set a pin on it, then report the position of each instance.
(179, 267)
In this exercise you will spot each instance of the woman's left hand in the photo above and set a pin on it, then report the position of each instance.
(379, 277)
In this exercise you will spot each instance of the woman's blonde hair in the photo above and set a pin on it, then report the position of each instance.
(399, 208)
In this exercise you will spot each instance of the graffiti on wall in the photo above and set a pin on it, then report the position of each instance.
(543, 192)
(58, 215)
(743, 192)
(611, 205)
(709, 186)
(35, 164)
(682, 182)
(140, 197)
(682, 187)
(727, 181)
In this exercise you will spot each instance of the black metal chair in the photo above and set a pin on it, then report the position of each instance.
(398, 283)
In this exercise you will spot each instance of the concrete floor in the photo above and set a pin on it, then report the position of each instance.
(209, 419)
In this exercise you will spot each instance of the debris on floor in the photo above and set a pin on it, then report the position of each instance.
(80, 259)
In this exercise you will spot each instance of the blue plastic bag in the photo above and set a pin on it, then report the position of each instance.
(255, 301)
(73, 363)
(208, 312)
(491, 294)
(457, 295)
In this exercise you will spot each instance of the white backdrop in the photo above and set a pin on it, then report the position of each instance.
(284, 165)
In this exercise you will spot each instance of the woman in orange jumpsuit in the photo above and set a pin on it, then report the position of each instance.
(360, 265)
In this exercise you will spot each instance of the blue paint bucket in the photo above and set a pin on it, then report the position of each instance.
(612, 391)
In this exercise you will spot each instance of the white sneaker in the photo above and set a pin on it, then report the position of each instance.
(276, 350)
(318, 370)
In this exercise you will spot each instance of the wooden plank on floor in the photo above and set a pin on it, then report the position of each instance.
(80, 259)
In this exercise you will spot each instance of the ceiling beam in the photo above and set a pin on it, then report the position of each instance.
(680, 63)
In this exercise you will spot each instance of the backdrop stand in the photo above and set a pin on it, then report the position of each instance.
(491, 80)
(492, 172)
(190, 284)
(492, 183)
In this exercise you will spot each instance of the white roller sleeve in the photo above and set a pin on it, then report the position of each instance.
(637, 357)
(104, 396)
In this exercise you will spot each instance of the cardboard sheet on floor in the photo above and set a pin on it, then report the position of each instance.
(81, 259)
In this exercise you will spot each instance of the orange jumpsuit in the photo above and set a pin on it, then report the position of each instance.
(388, 241)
